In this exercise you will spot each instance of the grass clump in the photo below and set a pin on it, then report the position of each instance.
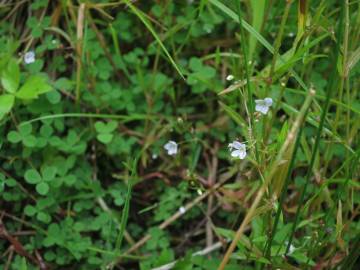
(179, 134)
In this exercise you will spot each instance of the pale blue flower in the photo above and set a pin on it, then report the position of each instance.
(237, 149)
(263, 105)
(29, 57)
(171, 147)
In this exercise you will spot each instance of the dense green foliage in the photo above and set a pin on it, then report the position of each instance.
(84, 173)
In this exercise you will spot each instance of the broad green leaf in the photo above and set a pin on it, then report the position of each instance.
(42, 188)
(105, 137)
(32, 176)
(10, 78)
(6, 103)
(34, 86)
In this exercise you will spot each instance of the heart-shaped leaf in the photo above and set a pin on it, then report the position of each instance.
(105, 127)
(105, 137)
(100, 127)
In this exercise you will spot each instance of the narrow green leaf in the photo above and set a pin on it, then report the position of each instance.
(256, 35)
(234, 115)
(258, 9)
(152, 31)
(23, 264)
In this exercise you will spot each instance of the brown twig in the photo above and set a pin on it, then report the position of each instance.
(17, 246)
(223, 179)
(79, 39)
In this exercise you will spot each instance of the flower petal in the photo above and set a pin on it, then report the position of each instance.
(230, 77)
(237, 145)
(29, 57)
(242, 155)
(268, 101)
(261, 108)
(236, 153)
(171, 147)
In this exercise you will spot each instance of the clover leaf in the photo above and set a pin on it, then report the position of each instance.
(200, 78)
(105, 130)
(33, 177)
(23, 135)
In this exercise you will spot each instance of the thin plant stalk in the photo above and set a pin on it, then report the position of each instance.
(79, 40)
(248, 82)
(283, 193)
(329, 91)
(289, 139)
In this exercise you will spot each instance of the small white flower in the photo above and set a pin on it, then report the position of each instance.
(182, 210)
(263, 105)
(291, 248)
(29, 57)
(171, 147)
(229, 77)
(154, 156)
(237, 149)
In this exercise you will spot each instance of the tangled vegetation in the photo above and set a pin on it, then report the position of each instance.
(180, 134)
